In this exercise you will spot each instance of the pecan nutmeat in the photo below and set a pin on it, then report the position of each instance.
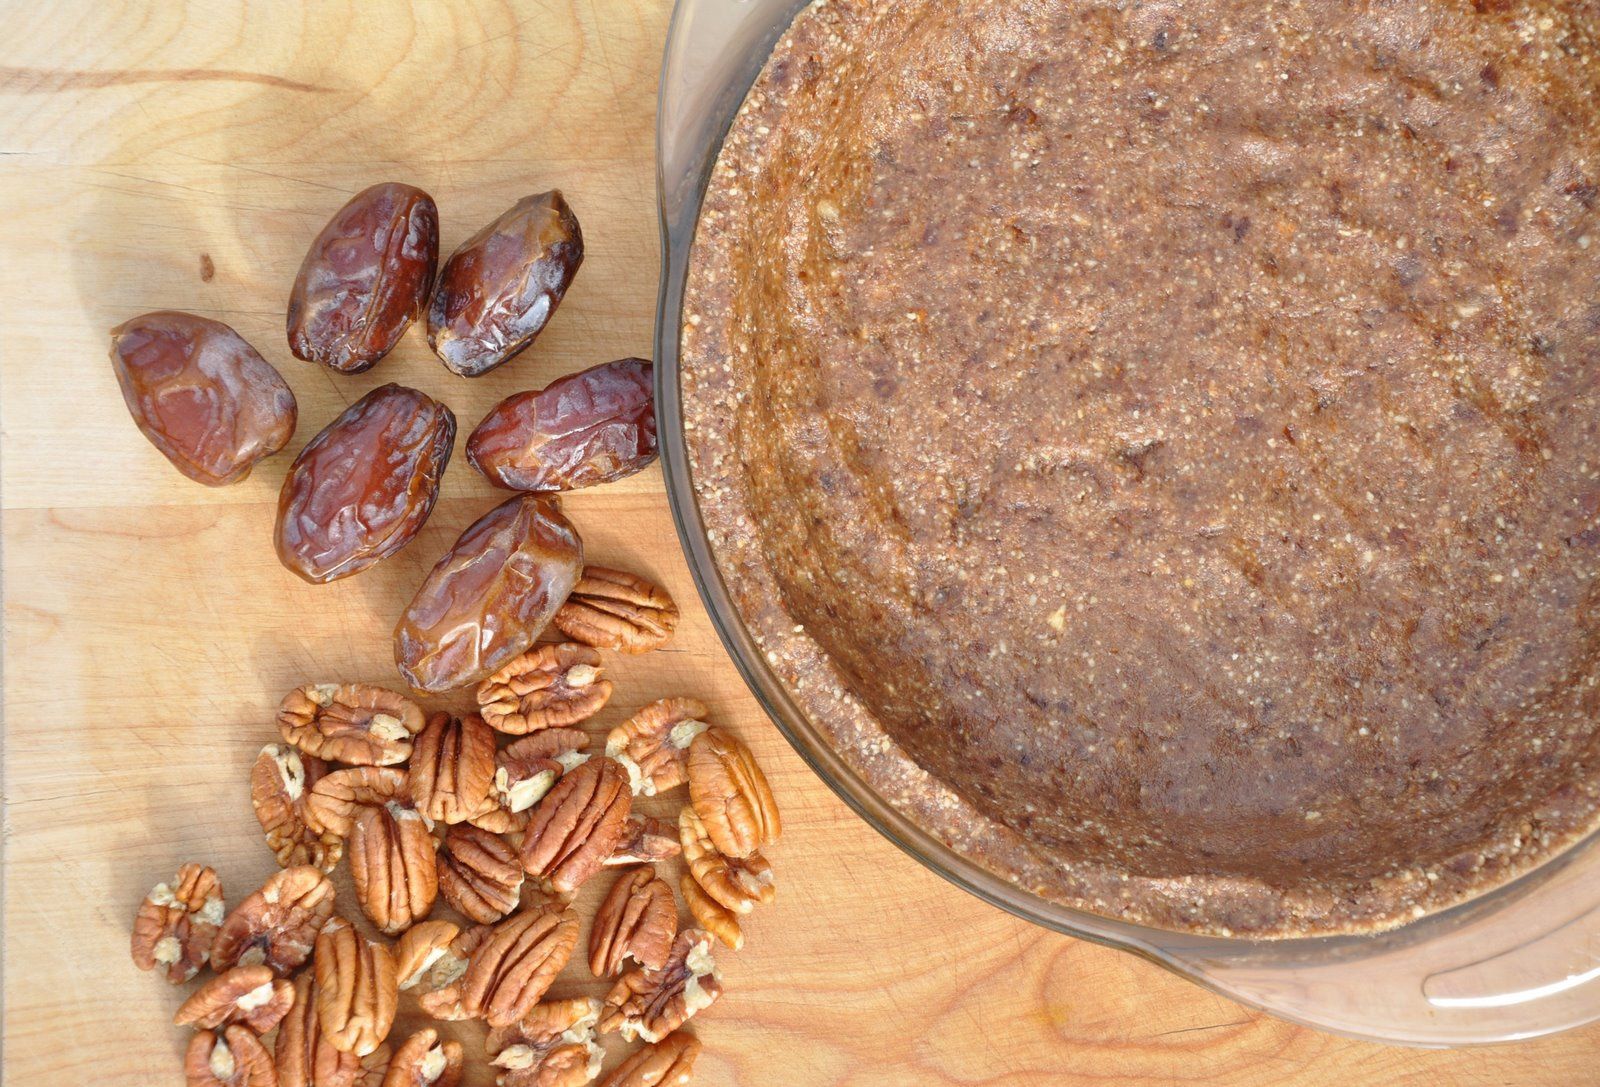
(235, 1058)
(710, 914)
(393, 866)
(356, 723)
(304, 1057)
(356, 989)
(736, 883)
(730, 794)
(479, 874)
(651, 1004)
(549, 686)
(440, 994)
(278, 924)
(653, 744)
(421, 946)
(552, 1046)
(452, 768)
(613, 609)
(645, 840)
(637, 920)
(514, 967)
(280, 784)
(252, 995)
(667, 1063)
(177, 923)
(338, 798)
(526, 769)
(577, 826)
(424, 1061)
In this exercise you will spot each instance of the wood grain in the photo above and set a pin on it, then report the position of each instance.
(149, 630)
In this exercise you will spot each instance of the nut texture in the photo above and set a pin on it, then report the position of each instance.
(514, 967)
(304, 1057)
(667, 1063)
(393, 866)
(613, 609)
(489, 596)
(645, 840)
(351, 722)
(737, 883)
(252, 995)
(236, 1058)
(711, 915)
(577, 826)
(479, 874)
(422, 945)
(424, 1061)
(552, 1046)
(177, 922)
(526, 769)
(440, 994)
(549, 686)
(730, 794)
(356, 989)
(280, 784)
(338, 798)
(653, 744)
(278, 924)
(452, 768)
(651, 1004)
(637, 920)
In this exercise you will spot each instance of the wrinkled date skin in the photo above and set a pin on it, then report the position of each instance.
(365, 278)
(586, 428)
(360, 490)
(203, 396)
(490, 595)
(497, 291)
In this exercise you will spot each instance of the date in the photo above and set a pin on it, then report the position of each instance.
(360, 490)
(499, 289)
(204, 397)
(590, 427)
(490, 595)
(365, 278)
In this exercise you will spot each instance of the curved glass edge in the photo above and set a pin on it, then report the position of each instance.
(1498, 968)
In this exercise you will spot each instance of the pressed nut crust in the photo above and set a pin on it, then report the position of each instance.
(1156, 442)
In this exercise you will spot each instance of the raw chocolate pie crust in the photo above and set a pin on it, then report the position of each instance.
(1157, 443)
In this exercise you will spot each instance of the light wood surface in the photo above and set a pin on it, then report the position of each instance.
(149, 630)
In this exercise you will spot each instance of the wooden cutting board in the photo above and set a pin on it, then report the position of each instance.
(182, 155)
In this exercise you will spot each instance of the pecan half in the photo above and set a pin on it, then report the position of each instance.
(711, 915)
(421, 947)
(393, 866)
(667, 1063)
(304, 1057)
(730, 793)
(653, 744)
(637, 920)
(645, 840)
(356, 988)
(338, 798)
(236, 1058)
(441, 986)
(736, 883)
(252, 995)
(279, 788)
(500, 820)
(549, 686)
(351, 722)
(613, 609)
(479, 874)
(552, 1046)
(526, 769)
(177, 922)
(424, 1061)
(651, 1004)
(452, 768)
(577, 825)
(277, 925)
(515, 966)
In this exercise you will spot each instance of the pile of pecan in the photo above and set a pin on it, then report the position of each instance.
(505, 814)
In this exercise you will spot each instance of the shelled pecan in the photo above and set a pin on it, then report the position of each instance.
(233, 1058)
(577, 826)
(357, 991)
(737, 883)
(730, 794)
(177, 923)
(280, 784)
(304, 1057)
(479, 874)
(278, 924)
(513, 968)
(652, 1003)
(393, 866)
(419, 948)
(422, 1060)
(252, 995)
(552, 1046)
(645, 840)
(637, 920)
(667, 1063)
(549, 686)
(653, 744)
(526, 769)
(350, 722)
(613, 609)
(452, 768)
(338, 798)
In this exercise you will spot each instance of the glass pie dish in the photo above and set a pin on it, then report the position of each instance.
(1520, 961)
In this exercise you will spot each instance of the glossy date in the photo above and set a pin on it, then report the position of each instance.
(360, 490)
(203, 396)
(497, 291)
(365, 278)
(582, 429)
(490, 595)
